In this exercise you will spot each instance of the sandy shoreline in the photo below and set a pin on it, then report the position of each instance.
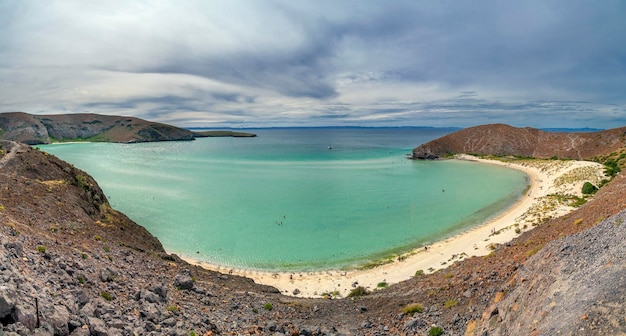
(547, 177)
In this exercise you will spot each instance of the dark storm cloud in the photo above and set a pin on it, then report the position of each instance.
(302, 68)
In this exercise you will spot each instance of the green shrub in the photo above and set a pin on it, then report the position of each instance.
(81, 279)
(435, 331)
(358, 291)
(602, 183)
(419, 273)
(382, 285)
(413, 308)
(107, 296)
(82, 181)
(451, 303)
(577, 201)
(268, 306)
(589, 188)
(41, 249)
(611, 168)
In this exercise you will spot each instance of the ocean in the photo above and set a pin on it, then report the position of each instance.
(296, 199)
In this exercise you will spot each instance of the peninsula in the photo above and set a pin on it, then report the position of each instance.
(43, 129)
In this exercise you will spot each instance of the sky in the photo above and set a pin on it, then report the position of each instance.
(266, 63)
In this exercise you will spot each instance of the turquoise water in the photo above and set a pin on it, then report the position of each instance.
(284, 201)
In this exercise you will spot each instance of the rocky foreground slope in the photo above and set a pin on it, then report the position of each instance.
(69, 264)
(573, 286)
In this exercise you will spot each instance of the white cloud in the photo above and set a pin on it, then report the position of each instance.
(264, 63)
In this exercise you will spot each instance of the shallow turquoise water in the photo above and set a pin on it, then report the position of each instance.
(284, 201)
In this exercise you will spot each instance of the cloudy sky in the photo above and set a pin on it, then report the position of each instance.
(318, 63)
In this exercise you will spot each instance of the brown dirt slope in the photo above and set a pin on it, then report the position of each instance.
(38, 129)
(42, 190)
(499, 139)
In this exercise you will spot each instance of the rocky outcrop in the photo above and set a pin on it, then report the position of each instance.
(40, 129)
(573, 286)
(499, 139)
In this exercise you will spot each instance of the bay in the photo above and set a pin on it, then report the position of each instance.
(297, 198)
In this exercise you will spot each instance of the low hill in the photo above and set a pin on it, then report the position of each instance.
(499, 139)
(41, 129)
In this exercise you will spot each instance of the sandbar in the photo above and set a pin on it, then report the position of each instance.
(546, 178)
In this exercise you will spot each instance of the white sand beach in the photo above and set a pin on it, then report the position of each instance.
(547, 178)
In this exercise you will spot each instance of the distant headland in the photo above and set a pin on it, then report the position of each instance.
(501, 140)
(44, 129)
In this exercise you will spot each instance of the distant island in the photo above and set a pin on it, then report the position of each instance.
(212, 134)
(44, 129)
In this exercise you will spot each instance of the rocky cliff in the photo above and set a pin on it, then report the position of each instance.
(39, 129)
(499, 139)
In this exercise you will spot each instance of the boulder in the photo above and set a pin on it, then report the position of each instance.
(183, 281)
(7, 305)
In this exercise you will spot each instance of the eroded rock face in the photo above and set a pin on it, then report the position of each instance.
(574, 286)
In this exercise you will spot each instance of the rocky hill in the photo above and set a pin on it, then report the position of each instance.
(69, 264)
(40, 129)
(499, 139)
(573, 286)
